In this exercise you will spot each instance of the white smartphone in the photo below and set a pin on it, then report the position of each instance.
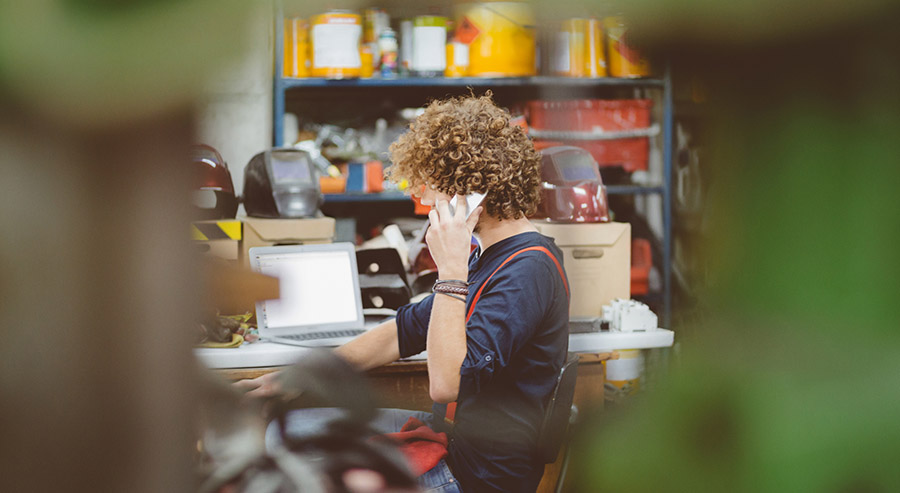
(473, 200)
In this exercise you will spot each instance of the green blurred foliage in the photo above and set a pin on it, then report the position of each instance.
(791, 382)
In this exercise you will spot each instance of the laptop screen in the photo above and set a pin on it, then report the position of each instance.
(318, 287)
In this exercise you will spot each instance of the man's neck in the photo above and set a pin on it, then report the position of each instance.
(492, 230)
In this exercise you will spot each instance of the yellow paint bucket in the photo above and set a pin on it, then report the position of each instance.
(501, 38)
(335, 39)
(624, 60)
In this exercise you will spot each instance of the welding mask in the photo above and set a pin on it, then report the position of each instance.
(213, 192)
(281, 182)
(571, 189)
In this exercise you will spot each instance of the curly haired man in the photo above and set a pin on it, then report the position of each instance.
(497, 360)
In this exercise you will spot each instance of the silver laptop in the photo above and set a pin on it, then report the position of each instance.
(320, 302)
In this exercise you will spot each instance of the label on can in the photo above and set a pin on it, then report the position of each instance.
(429, 43)
(460, 54)
(559, 62)
(336, 44)
(387, 44)
(466, 31)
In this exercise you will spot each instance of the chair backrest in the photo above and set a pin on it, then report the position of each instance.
(556, 416)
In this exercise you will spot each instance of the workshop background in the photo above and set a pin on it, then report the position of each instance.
(783, 278)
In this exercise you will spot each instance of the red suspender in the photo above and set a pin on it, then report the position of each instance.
(451, 407)
(534, 248)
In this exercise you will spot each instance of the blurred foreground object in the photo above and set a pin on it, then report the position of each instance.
(96, 127)
(101, 63)
(788, 382)
(236, 459)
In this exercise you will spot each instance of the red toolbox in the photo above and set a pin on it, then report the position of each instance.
(596, 116)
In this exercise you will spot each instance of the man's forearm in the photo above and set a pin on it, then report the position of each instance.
(378, 346)
(446, 346)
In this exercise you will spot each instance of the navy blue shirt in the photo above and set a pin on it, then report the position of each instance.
(516, 340)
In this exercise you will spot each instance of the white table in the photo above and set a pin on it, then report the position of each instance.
(268, 354)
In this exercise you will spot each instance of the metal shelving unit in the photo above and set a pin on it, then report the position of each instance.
(282, 85)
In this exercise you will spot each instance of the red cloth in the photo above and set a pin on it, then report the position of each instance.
(422, 446)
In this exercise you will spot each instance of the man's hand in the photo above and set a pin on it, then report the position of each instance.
(262, 387)
(449, 237)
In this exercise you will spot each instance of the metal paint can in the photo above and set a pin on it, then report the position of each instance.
(457, 59)
(301, 32)
(375, 20)
(406, 44)
(290, 59)
(578, 49)
(429, 45)
(501, 38)
(624, 60)
(623, 375)
(367, 61)
(335, 38)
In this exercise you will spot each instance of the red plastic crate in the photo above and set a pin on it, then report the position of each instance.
(589, 115)
(641, 263)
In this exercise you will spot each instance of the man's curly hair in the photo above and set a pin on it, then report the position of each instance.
(464, 145)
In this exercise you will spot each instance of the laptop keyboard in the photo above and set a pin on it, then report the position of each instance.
(312, 336)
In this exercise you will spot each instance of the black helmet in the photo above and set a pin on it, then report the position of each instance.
(281, 182)
(213, 195)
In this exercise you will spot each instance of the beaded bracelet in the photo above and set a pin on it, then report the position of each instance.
(447, 288)
(451, 286)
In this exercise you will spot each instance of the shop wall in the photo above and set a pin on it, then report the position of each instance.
(235, 116)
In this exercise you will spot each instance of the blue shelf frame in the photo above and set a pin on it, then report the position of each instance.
(351, 197)
(283, 84)
(291, 83)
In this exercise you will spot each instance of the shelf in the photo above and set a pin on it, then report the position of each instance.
(367, 197)
(289, 83)
(632, 190)
(356, 91)
(403, 197)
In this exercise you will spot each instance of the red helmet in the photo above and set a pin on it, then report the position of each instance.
(572, 190)
(213, 195)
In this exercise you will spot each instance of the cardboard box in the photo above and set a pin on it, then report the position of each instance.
(220, 238)
(597, 259)
(270, 232)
